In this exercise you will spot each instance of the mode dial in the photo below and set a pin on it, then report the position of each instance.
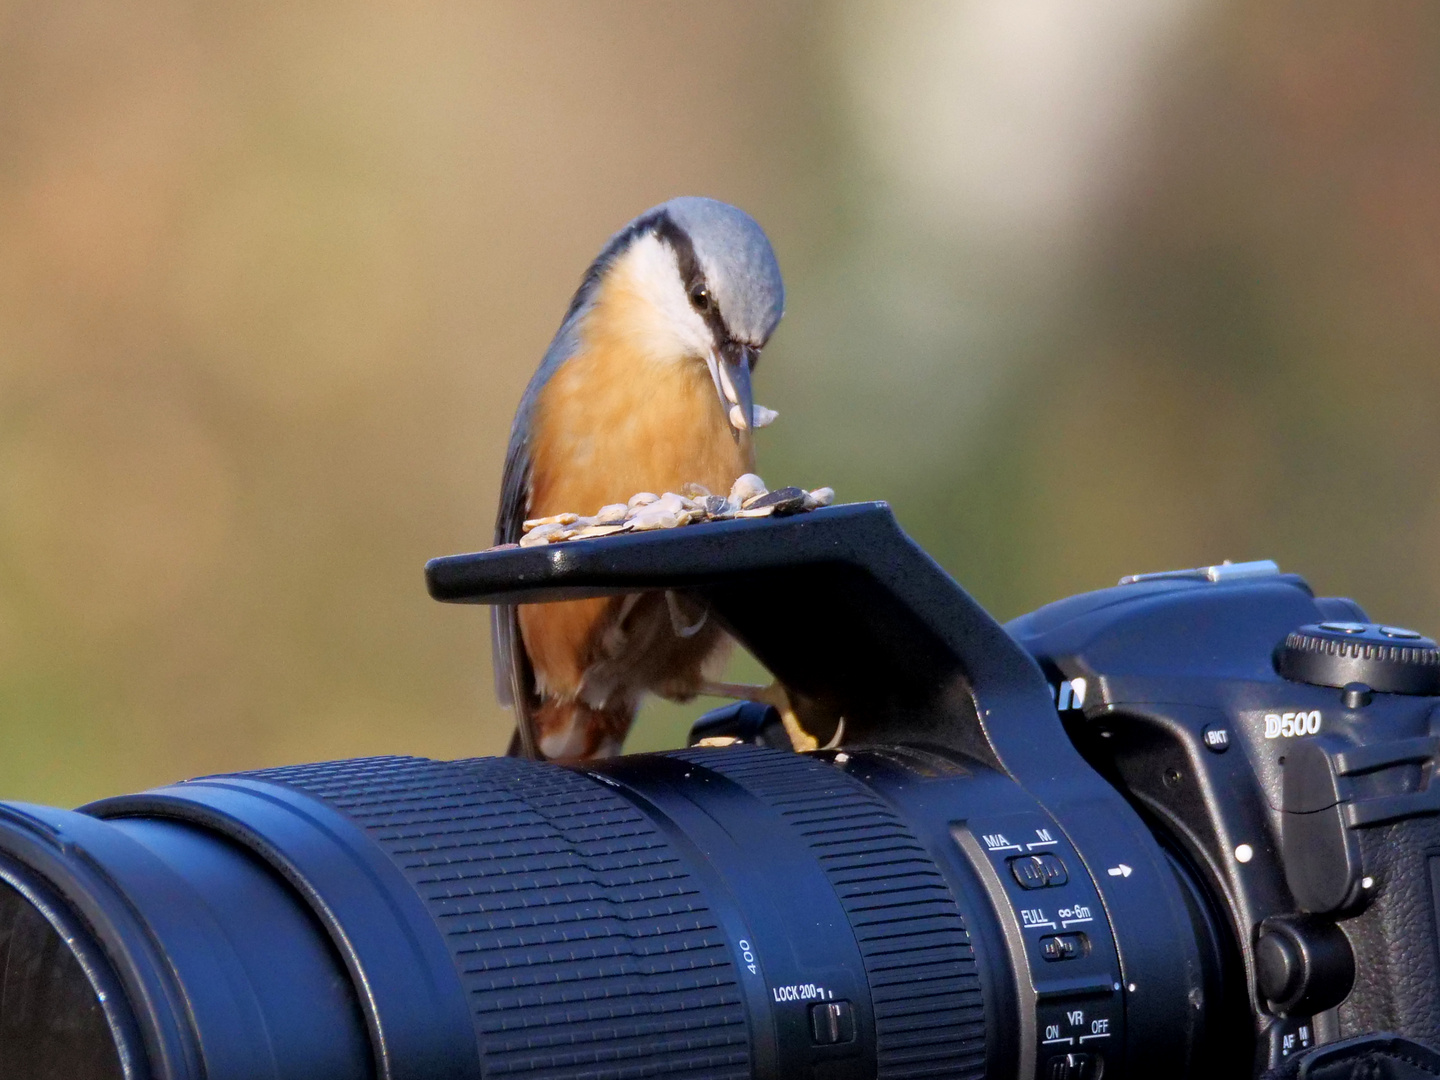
(1385, 658)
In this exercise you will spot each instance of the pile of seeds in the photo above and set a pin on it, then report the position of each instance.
(749, 498)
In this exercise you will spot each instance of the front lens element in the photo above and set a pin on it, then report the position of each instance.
(52, 1020)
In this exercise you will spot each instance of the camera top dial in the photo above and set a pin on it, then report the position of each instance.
(1384, 658)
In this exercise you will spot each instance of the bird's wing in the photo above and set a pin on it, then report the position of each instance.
(514, 508)
(514, 677)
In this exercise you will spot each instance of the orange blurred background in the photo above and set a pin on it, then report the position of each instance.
(1082, 290)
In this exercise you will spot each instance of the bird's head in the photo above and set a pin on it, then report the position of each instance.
(702, 286)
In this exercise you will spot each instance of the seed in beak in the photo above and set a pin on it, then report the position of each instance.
(760, 417)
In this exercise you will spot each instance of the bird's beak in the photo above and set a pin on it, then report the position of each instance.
(730, 366)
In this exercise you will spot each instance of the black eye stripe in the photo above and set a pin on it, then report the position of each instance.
(691, 273)
(680, 243)
(665, 228)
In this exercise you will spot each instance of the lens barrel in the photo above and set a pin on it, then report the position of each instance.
(701, 914)
(177, 953)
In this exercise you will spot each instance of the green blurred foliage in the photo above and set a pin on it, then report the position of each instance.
(1081, 289)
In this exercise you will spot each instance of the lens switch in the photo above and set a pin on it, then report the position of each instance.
(1039, 871)
(832, 1022)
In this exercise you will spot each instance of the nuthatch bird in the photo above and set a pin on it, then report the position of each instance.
(645, 387)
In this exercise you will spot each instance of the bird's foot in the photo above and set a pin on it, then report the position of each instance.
(775, 694)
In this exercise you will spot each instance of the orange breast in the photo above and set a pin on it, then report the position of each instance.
(611, 422)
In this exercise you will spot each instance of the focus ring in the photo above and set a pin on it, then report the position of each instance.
(929, 1018)
(584, 944)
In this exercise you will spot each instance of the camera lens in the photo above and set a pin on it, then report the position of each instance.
(704, 914)
(711, 915)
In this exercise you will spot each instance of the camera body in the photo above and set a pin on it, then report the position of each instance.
(1305, 804)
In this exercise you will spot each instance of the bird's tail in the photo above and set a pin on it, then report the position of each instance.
(513, 678)
(570, 730)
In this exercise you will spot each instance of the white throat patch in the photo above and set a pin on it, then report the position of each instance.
(645, 287)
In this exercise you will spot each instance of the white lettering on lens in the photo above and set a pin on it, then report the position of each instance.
(1035, 917)
(747, 955)
(799, 992)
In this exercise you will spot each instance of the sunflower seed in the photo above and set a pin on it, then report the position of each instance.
(782, 500)
(814, 500)
(543, 534)
(760, 417)
(598, 530)
(717, 506)
(553, 519)
(649, 519)
(746, 487)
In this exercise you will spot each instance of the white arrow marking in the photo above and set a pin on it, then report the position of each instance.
(1120, 871)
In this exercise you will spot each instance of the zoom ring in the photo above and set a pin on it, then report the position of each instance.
(584, 945)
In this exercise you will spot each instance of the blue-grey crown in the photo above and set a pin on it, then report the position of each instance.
(738, 262)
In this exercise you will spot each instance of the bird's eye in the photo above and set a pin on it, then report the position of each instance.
(700, 297)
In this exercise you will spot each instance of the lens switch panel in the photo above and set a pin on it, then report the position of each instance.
(1058, 933)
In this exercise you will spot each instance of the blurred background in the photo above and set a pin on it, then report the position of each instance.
(1081, 289)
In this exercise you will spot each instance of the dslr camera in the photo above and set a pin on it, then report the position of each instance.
(1183, 827)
